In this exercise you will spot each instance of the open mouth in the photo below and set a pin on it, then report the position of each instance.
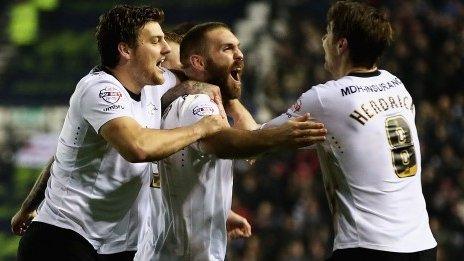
(158, 64)
(236, 74)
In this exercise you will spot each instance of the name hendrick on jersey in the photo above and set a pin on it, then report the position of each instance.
(370, 161)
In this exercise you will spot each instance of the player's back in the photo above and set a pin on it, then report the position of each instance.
(370, 162)
(197, 190)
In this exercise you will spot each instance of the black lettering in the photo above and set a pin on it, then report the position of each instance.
(390, 85)
(392, 102)
(383, 104)
(359, 117)
(353, 89)
(405, 101)
(346, 91)
(399, 101)
(383, 86)
(366, 111)
(359, 88)
(376, 88)
(375, 107)
(396, 81)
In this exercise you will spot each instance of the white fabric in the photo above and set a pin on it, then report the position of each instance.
(197, 194)
(92, 189)
(370, 123)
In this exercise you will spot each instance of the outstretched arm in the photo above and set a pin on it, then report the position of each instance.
(295, 133)
(138, 144)
(21, 220)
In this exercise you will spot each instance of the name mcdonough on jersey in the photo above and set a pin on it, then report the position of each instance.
(371, 88)
(375, 106)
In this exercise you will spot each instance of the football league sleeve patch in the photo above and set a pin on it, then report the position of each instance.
(307, 103)
(197, 107)
(104, 102)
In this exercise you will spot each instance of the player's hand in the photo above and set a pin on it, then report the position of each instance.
(237, 226)
(21, 221)
(213, 91)
(301, 132)
(211, 125)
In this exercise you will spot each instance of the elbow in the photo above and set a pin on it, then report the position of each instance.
(136, 155)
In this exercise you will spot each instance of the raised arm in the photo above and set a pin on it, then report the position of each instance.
(138, 144)
(21, 220)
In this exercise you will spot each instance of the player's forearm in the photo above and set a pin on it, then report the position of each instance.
(241, 116)
(234, 143)
(37, 193)
(159, 144)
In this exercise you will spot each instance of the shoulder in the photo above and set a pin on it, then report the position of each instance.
(199, 104)
(105, 85)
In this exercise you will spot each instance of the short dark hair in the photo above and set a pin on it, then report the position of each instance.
(122, 24)
(194, 42)
(182, 28)
(366, 29)
(173, 37)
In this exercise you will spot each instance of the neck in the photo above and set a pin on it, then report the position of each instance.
(347, 68)
(124, 77)
(195, 75)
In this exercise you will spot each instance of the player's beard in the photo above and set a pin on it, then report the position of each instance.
(219, 75)
(146, 72)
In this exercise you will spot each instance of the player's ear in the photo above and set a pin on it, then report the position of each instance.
(342, 45)
(124, 50)
(197, 62)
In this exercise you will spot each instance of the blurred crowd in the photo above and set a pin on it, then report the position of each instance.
(283, 194)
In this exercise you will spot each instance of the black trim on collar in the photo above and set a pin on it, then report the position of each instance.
(365, 74)
(135, 97)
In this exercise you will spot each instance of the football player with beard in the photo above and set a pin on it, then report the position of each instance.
(196, 182)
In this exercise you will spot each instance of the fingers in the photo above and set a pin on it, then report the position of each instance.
(20, 223)
(316, 133)
(218, 100)
(303, 118)
(247, 229)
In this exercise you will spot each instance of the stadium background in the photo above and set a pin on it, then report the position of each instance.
(47, 45)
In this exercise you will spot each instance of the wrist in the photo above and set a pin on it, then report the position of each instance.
(198, 131)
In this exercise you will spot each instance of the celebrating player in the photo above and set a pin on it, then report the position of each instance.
(371, 159)
(110, 126)
(197, 182)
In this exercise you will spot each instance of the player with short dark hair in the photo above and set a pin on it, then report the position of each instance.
(371, 158)
(101, 168)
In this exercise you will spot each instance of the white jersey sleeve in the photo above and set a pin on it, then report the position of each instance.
(103, 102)
(197, 107)
(308, 102)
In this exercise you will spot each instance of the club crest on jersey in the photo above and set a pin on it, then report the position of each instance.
(297, 106)
(203, 110)
(110, 94)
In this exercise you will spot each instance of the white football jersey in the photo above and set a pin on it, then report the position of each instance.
(197, 193)
(92, 189)
(370, 161)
